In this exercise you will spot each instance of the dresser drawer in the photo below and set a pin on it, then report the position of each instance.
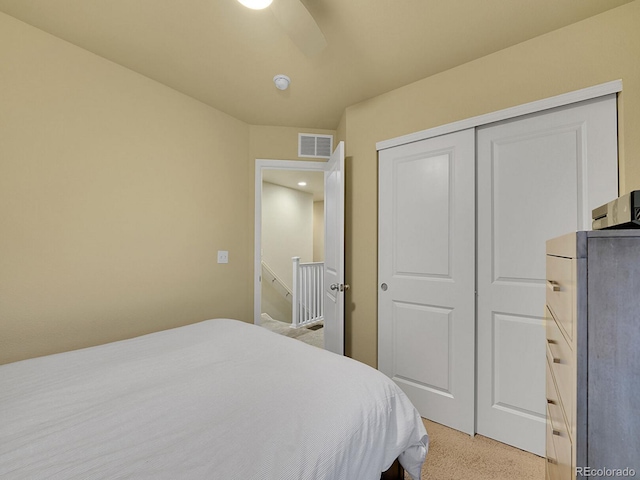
(562, 367)
(553, 398)
(552, 458)
(561, 293)
(559, 442)
(559, 449)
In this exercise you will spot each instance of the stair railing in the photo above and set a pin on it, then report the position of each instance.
(308, 293)
(270, 276)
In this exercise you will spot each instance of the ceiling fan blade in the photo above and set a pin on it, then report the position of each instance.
(299, 25)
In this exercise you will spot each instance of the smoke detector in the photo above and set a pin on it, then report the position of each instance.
(282, 82)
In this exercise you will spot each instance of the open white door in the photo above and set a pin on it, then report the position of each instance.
(334, 285)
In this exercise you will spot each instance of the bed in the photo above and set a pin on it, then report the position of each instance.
(219, 399)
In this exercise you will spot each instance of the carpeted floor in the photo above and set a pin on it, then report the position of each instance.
(313, 337)
(455, 455)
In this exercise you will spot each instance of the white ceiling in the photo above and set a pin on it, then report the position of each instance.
(226, 55)
(290, 179)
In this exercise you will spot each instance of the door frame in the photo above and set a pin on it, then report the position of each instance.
(261, 165)
(562, 100)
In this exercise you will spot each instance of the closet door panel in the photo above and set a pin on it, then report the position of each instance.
(535, 182)
(531, 173)
(426, 261)
(511, 347)
(420, 183)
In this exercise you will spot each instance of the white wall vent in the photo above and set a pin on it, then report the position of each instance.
(316, 146)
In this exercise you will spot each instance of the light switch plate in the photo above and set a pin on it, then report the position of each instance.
(223, 256)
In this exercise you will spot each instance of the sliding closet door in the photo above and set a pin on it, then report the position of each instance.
(426, 300)
(539, 176)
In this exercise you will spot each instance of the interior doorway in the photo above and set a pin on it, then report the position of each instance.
(328, 291)
(289, 225)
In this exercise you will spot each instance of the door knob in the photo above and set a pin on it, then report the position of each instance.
(384, 287)
(334, 286)
(341, 287)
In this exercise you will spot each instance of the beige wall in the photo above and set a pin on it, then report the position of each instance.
(274, 304)
(115, 194)
(287, 229)
(341, 132)
(318, 231)
(280, 143)
(598, 50)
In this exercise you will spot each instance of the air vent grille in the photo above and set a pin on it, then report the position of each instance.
(316, 146)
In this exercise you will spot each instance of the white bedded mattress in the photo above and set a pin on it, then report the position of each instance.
(219, 399)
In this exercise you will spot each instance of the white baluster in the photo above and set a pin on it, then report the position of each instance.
(295, 316)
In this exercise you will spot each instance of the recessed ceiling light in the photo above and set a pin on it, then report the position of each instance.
(256, 4)
(302, 184)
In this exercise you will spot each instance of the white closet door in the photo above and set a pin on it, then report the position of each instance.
(539, 176)
(426, 299)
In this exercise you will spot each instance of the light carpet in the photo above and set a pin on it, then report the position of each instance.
(454, 455)
(312, 337)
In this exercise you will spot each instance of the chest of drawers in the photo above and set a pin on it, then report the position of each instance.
(593, 354)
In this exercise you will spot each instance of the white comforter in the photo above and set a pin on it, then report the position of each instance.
(219, 399)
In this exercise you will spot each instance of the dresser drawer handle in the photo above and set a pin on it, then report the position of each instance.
(553, 286)
(551, 402)
(556, 433)
(552, 461)
(553, 357)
